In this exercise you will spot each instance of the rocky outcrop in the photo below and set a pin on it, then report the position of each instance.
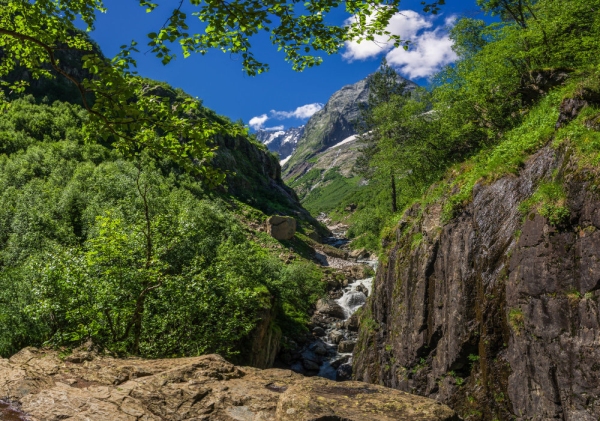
(330, 126)
(281, 227)
(493, 313)
(47, 388)
(320, 399)
(283, 142)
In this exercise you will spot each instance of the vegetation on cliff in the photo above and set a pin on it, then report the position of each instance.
(488, 275)
(494, 107)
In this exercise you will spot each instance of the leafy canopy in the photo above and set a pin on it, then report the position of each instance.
(41, 36)
(130, 254)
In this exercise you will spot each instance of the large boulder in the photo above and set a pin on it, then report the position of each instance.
(331, 308)
(346, 346)
(281, 227)
(99, 388)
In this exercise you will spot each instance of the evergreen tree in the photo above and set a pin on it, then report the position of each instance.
(384, 85)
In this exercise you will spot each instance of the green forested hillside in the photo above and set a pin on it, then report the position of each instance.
(133, 254)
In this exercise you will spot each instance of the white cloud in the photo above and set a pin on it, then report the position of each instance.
(274, 128)
(303, 112)
(430, 53)
(257, 122)
(430, 48)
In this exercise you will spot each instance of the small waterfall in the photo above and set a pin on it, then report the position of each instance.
(351, 301)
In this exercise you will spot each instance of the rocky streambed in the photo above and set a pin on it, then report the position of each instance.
(327, 352)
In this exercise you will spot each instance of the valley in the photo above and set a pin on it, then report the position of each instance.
(412, 251)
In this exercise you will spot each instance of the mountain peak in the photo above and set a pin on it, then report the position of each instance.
(281, 141)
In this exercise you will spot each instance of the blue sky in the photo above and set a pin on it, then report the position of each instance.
(281, 97)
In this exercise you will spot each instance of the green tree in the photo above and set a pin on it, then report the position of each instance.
(135, 115)
(384, 85)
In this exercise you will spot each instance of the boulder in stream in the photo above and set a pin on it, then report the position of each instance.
(318, 331)
(344, 372)
(335, 336)
(363, 289)
(331, 308)
(346, 346)
(339, 361)
(352, 323)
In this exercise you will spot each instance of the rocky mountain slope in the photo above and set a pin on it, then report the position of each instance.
(329, 126)
(283, 142)
(321, 168)
(39, 385)
(495, 310)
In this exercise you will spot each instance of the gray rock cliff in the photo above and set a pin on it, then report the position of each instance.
(493, 313)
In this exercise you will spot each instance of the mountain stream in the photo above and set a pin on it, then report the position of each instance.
(328, 351)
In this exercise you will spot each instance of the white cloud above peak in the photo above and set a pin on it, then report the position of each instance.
(257, 122)
(303, 112)
(430, 47)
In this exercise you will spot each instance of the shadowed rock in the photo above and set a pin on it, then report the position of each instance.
(495, 311)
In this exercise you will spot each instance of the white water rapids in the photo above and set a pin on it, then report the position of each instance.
(351, 301)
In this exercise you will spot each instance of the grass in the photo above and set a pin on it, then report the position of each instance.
(333, 193)
(549, 200)
(516, 319)
(505, 158)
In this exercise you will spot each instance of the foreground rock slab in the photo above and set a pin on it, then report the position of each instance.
(48, 388)
(316, 398)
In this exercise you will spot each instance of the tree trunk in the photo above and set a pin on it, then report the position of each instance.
(393, 186)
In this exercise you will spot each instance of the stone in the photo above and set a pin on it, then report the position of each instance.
(195, 388)
(344, 372)
(358, 253)
(281, 227)
(339, 361)
(330, 308)
(321, 399)
(318, 331)
(346, 346)
(336, 336)
(363, 289)
(319, 348)
(350, 208)
(311, 365)
(352, 324)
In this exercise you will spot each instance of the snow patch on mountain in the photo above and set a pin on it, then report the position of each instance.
(343, 142)
(281, 141)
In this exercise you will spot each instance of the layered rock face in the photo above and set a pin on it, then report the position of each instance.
(493, 313)
(85, 386)
(329, 126)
